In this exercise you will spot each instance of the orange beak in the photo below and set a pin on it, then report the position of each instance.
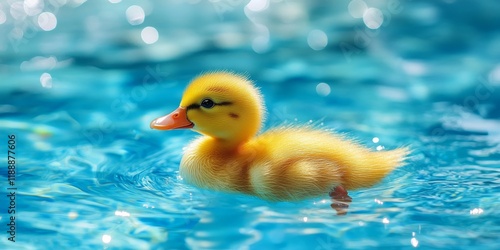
(175, 120)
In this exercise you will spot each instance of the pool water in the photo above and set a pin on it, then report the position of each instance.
(78, 96)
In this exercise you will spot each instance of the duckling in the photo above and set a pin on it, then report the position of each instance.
(282, 164)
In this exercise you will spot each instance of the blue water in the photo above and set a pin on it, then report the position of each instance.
(90, 174)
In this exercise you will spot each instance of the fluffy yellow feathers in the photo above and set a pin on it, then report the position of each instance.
(283, 164)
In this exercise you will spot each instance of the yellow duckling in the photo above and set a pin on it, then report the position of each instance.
(283, 164)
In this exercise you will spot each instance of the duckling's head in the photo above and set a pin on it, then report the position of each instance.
(221, 105)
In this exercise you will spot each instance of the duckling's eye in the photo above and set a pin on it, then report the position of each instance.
(207, 103)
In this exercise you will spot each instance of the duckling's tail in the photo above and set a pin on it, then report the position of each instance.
(373, 167)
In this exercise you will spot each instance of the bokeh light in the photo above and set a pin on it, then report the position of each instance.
(47, 21)
(135, 15)
(414, 241)
(33, 7)
(46, 80)
(17, 10)
(72, 215)
(258, 5)
(122, 213)
(476, 211)
(373, 18)
(357, 8)
(323, 89)
(317, 40)
(149, 35)
(106, 238)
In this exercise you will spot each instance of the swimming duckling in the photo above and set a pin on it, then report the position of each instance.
(282, 164)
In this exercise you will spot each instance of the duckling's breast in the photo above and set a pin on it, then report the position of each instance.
(205, 166)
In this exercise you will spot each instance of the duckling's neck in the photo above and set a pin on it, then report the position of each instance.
(226, 145)
(230, 140)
